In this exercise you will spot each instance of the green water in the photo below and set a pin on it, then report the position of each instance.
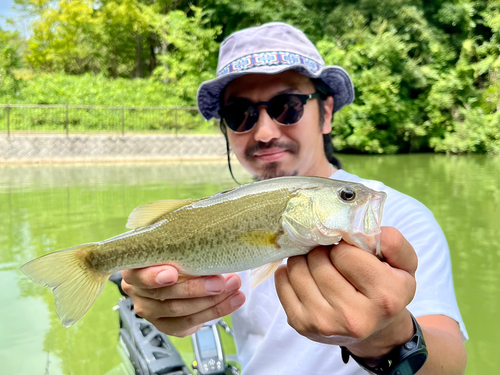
(46, 208)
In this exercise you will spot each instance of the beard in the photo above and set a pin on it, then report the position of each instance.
(273, 170)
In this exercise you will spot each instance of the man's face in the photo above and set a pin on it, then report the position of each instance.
(272, 150)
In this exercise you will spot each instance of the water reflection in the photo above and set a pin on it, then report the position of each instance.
(48, 208)
(464, 195)
(45, 208)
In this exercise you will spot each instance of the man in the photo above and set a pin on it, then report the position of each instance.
(276, 100)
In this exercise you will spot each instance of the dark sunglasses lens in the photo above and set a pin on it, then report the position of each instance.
(286, 109)
(240, 116)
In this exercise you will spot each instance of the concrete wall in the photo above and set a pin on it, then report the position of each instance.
(39, 148)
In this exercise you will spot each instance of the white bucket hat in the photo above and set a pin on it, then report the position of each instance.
(270, 49)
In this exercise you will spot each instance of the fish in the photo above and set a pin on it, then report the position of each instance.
(253, 226)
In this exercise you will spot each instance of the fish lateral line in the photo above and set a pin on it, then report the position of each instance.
(268, 219)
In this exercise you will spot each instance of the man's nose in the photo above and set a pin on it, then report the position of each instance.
(266, 128)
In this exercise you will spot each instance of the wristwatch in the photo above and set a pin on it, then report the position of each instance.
(406, 359)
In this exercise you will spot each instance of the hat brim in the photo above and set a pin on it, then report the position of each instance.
(335, 77)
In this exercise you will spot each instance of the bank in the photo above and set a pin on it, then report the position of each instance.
(39, 148)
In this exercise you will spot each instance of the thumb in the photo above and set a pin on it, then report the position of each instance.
(397, 251)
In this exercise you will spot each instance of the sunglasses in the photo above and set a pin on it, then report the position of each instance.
(287, 109)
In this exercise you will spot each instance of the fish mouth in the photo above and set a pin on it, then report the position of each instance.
(367, 223)
(368, 219)
(377, 207)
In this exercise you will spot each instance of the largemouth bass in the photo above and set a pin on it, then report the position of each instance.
(253, 226)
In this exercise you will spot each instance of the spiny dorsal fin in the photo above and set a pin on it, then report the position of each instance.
(151, 212)
(262, 273)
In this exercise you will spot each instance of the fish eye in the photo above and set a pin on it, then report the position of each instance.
(347, 194)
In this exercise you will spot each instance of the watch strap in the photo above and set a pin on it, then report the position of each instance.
(406, 359)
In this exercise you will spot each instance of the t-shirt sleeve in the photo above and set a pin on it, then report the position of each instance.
(435, 294)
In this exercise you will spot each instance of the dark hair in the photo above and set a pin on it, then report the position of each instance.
(223, 130)
(323, 88)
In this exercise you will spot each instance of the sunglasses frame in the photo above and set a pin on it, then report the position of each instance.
(255, 106)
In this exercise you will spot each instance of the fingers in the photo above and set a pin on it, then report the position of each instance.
(301, 280)
(151, 277)
(360, 268)
(181, 308)
(391, 283)
(328, 278)
(191, 288)
(155, 309)
(314, 311)
(397, 251)
(344, 293)
(313, 277)
(286, 293)
(182, 326)
(288, 297)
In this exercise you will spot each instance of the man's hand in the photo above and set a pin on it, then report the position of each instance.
(181, 308)
(346, 296)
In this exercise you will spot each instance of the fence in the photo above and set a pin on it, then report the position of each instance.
(74, 119)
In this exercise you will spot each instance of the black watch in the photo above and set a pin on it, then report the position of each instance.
(406, 359)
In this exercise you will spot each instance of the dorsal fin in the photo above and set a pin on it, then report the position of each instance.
(151, 212)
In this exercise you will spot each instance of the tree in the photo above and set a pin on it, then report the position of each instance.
(426, 73)
(189, 51)
(10, 59)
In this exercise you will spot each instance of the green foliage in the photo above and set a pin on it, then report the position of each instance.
(414, 90)
(193, 51)
(471, 95)
(90, 89)
(426, 73)
(98, 90)
(10, 59)
(76, 36)
(477, 132)
(391, 83)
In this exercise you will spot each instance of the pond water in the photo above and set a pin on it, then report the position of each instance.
(46, 208)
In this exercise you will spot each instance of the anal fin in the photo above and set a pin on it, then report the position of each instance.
(262, 273)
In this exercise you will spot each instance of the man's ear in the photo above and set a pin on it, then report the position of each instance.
(327, 125)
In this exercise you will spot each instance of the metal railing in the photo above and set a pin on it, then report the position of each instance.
(73, 119)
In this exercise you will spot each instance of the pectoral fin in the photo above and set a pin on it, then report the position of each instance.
(151, 212)
(262, 273)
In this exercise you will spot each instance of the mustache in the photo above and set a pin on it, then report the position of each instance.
(289, 146)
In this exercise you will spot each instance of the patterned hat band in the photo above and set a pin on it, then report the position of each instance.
(264, 59)
(271, 48)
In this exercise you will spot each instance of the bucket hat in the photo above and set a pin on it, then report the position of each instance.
(270, 49)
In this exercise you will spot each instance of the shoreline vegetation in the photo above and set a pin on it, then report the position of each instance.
(426, 74)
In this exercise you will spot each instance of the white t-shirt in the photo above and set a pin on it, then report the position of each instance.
(265, 342)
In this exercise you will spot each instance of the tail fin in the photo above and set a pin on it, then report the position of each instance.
(75, 285)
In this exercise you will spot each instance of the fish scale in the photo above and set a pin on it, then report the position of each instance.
(254, 226)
